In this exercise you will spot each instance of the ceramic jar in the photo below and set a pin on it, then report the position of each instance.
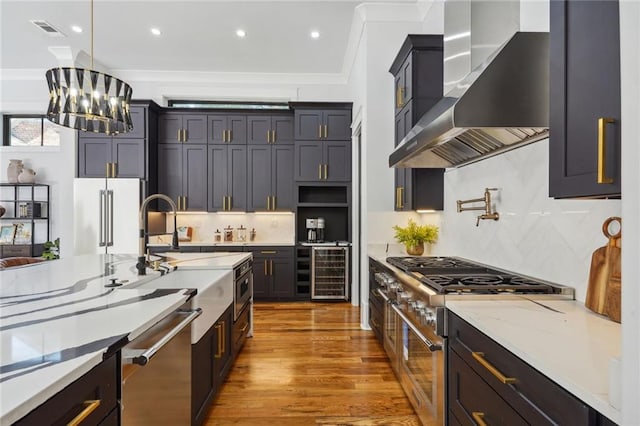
(14, 169)
(27, 176)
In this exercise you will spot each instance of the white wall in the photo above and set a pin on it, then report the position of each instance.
(535, 235)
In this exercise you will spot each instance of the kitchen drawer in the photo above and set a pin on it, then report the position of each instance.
(375, 321)
(99, 384)
(538, 399)
(376, 299)
(272, 251)
(472, 399)
(240, 330)
(215, 249)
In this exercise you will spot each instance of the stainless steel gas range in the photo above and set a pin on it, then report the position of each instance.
(407, 311)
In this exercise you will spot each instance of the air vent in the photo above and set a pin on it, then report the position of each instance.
(49, 29)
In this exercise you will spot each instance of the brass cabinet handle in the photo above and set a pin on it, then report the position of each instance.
(326, 171)
(319, 131)
(230, 203)
(320, 171)
(478, 417)
(268, 203)
(268, 251)
(273, 202)
(179, 133)
(271, 267)
(114, 170)
(397, 198)
(244, 328)
(273, 136)
(230, 135)
(224, 136)
(398, 97)
(326, 132)
(224, 337)
(224, 202)
(218, 355)
(401, 197)
(602, 149)
(184, 203)
(401, 104)
(185, 135)
(479, 356)
(90, 407)
(265, 267)
(107, 165)
(268, 136)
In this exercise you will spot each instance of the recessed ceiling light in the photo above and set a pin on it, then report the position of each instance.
(241, 33)
(155, 31)
(76, 29)
(315, 34)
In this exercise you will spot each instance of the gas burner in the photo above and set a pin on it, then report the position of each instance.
(485, 283)
(435, 265)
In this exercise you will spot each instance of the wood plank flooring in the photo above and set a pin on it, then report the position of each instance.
(311, 364)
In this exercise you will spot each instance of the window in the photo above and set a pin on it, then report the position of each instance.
(30, 130)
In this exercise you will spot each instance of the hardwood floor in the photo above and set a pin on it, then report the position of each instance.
(311, 364)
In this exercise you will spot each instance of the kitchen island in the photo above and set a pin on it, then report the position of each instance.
(59, 321)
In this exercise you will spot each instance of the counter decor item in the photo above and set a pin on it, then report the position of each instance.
(23, 233)
(14, 169)
(414, 236)
(252, 234)
(217, 236)
(604, 289)
(27, 176)
(184, 233)
(6, 234)
(228, 234)
(51, 250)
(241, 233)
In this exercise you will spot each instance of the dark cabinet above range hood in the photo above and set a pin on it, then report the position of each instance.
(502, 104)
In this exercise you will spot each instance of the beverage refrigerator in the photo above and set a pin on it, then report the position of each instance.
(330, 273)
(106, 215)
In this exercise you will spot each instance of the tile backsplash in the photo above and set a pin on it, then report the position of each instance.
(270, 228)
(535, 235)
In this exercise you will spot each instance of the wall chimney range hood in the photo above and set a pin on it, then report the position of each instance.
(500, 105)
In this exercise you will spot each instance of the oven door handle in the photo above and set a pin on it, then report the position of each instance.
(433, 347)
(384, 296)
(142, 356)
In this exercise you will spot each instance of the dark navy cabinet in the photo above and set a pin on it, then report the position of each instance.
(178, 127)
(129, 155)
(182, 175)
(227, 178)
(273, 273)
(584, 115)
(323, 124)
(227, 129)
(418, 75)
(270, 129)
(270, 177)
(324, 161)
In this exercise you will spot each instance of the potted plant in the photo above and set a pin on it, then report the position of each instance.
(414, 236)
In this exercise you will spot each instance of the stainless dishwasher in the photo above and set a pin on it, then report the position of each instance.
(156, 372)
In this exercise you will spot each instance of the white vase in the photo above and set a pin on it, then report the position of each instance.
(14, 169)
(27, 176)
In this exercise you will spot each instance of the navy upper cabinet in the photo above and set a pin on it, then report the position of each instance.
(227, 178)
(270, 178)
(176, 127)
(128, 155)
(227, 128)
(418, 76)
(323, 124)
(270, 129)
(323, 161)
(182, 175)
(584, 115)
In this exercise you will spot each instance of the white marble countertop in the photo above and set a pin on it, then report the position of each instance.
(572, 347)
(58, 320)
(228, 244)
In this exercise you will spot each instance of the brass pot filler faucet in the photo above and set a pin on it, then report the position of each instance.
(488, 214)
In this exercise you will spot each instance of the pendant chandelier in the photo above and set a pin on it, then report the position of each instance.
(89, 100)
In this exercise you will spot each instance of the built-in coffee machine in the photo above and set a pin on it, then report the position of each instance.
(315, 230)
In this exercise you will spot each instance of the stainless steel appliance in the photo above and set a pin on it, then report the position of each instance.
(320, 230)
(415, 290)
(242, 288)
(329, 272)
(312, 228)
(156, 372)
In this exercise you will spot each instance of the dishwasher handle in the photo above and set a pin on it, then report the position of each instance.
(142, 356)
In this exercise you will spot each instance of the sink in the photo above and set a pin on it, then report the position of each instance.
(214, 293)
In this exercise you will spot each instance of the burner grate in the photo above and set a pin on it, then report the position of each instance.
(488, 283)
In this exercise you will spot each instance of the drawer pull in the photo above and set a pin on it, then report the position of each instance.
(90, 407)
(244, 328)
(268, 251)
(602, 149)
(479, 356)
(478, 417)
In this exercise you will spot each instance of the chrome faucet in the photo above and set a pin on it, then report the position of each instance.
(141, 266)
(488, 213)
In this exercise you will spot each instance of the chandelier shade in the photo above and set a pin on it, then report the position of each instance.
(89, 100)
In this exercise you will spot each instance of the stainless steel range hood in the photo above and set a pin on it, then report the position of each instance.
(502, 104)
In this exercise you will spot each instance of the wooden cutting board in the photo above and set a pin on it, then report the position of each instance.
(604, 289)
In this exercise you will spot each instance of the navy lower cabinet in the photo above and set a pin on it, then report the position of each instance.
(273, 273)
(584, 112)
(211, 360)
(476, 394)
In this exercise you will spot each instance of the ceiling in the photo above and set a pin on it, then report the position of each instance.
(196, 35)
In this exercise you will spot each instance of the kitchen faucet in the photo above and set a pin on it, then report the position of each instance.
(488, 214)
(141, 266)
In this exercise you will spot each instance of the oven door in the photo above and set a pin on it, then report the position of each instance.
(421, 370)
(243, 289)
(390, 331)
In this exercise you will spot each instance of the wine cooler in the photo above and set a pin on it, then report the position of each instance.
(330, 273)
